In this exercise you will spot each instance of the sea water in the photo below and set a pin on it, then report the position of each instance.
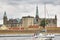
(57, 37)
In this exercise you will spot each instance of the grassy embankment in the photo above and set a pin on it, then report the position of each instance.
(49, 30)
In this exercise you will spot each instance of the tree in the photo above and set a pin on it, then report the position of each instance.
(43, 23)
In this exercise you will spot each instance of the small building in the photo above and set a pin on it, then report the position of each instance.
(3, 27)
(27, 21)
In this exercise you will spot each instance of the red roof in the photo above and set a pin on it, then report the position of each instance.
(34, 26)
(16, 28)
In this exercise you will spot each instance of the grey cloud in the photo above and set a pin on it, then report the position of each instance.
(56, 2)
(17, 2)
(47, 1)
(24, 9)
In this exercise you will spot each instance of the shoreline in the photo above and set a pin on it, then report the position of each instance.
(25, 32)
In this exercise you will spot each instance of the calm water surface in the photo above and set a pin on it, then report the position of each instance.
(24, 38)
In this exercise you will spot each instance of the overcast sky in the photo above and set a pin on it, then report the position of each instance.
(19, 8)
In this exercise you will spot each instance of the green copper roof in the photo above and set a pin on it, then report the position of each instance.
(5, 14)
(37, 15)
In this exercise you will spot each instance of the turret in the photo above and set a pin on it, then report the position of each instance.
(55, 17)
(5, 18)
(56, 20)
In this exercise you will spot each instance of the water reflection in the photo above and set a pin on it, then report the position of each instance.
(25, 38)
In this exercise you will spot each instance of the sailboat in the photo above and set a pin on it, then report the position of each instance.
(44, 35)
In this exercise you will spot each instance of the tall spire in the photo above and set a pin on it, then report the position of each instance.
(37, 11)
(37, 16)
(5, 14)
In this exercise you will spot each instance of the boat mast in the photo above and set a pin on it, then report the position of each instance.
(45, 15)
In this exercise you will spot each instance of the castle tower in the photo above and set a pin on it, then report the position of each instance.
(55, 17)
(55, 20)
(37, 15)
(5, 18)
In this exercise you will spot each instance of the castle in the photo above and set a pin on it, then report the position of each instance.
(27, 21)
